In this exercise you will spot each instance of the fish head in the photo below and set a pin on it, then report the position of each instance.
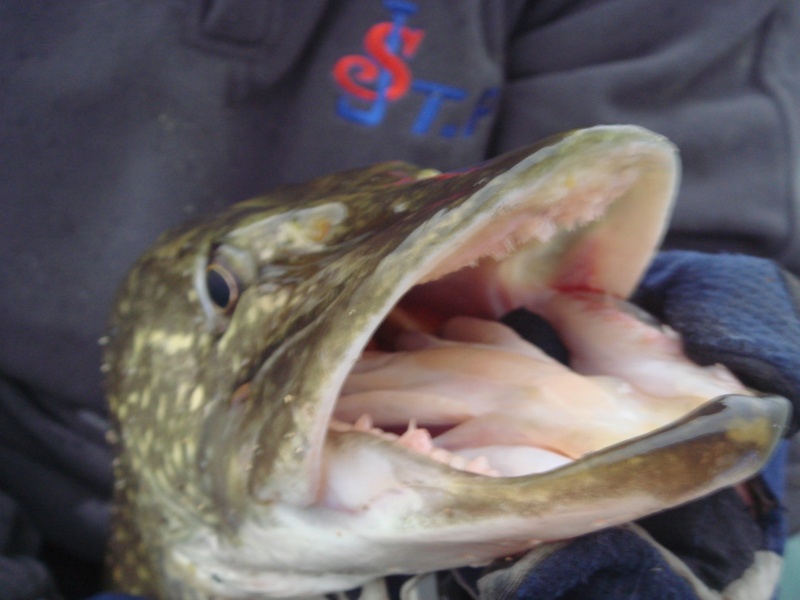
(233, 337)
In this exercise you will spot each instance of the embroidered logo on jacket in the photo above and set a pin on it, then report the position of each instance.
(371, 83)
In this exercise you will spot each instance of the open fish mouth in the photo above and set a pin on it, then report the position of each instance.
(442, 377)
(365, 409)
(433, 412)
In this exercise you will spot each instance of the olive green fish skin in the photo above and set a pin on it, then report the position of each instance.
(165, 364)
(218, 414)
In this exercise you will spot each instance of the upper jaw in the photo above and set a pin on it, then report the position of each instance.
(585, 210)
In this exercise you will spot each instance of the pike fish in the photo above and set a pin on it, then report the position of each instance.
(314, 389)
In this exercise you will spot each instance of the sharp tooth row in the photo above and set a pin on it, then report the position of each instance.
(418, 440)
(363, 423)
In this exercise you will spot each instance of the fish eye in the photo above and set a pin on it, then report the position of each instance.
(223, 286)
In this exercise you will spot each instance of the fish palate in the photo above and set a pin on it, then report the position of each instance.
(313, 389)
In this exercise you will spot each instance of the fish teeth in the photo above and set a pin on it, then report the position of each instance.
(363, 423)
(339, 426)
(419, 440)
(480, 465)
(441, 455)
(458, 462)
